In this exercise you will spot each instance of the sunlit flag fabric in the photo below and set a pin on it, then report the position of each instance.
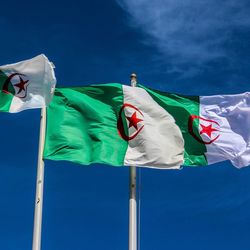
(27, 84)
(121, 125)
(112, 124)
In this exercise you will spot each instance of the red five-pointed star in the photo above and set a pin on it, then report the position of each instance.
(133, 120)
(21, 85)
(207, 130)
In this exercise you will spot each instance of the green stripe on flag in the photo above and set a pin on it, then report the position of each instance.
(5, 101)
(5, 98)
(84, 129)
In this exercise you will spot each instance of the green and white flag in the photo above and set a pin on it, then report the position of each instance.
(214, 128)
(120, 125)
(27, 84)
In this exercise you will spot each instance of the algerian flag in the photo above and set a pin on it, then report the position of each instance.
(120, 125)
(214, 128)
(112, 124)
(26, 84)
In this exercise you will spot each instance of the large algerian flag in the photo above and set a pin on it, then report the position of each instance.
(120, 125)
(26, 84)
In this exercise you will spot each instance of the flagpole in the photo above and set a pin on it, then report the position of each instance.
(132, 196)
(37, 230)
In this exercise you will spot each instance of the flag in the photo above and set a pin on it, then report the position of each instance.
(120, 125)
(111, 124)
(27, 84)
(214, 128)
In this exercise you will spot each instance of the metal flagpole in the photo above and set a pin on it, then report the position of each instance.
(132, 196)
(39, 186)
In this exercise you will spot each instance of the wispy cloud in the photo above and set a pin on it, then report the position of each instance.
(189, 31)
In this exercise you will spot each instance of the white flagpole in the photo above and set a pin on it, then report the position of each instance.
(37, 230)
(132, 197)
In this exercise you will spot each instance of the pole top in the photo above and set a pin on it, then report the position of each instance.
(133, 76)
(133, 79)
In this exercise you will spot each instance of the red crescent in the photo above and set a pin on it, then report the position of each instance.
(191, 131)
(120, 126)
(7, 82)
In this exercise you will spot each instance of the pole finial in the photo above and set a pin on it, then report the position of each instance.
(132, 76)
(133, 79)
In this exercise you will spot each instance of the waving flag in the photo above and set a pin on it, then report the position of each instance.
(214, 128)
(112, 124)
(27, 84)
(120, 125)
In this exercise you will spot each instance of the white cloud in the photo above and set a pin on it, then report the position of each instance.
(188, 31)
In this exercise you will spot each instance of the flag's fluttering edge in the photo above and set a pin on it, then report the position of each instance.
(120, 125)
(27, 84)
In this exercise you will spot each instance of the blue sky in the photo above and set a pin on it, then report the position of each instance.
(190, 47)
